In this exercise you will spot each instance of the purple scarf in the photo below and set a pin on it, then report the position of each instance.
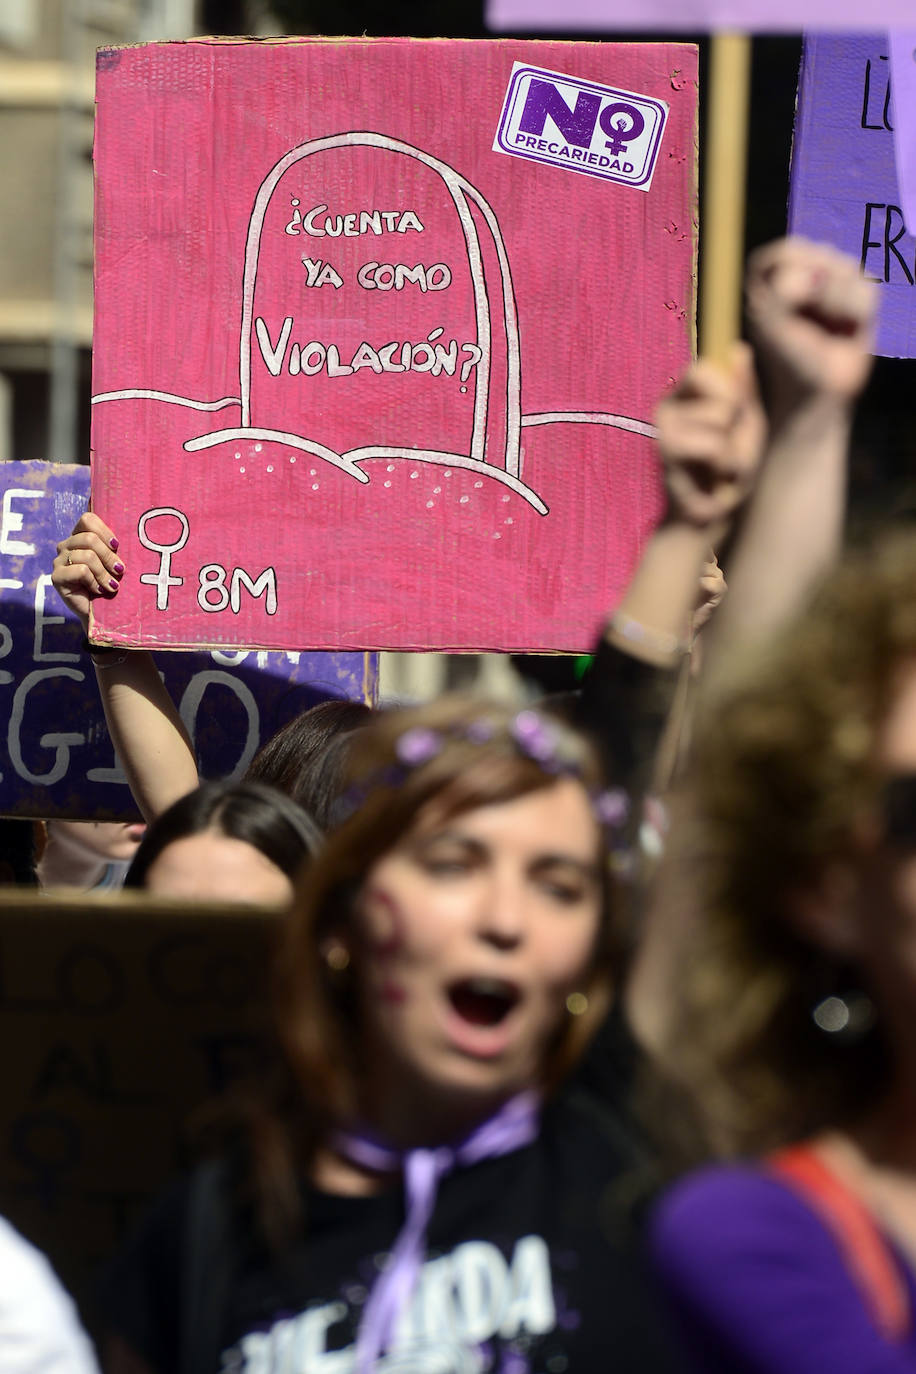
(514, 1125)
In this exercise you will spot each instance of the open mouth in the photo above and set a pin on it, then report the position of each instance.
(483, 1001)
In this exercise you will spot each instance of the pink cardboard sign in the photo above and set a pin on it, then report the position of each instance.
(375, 361)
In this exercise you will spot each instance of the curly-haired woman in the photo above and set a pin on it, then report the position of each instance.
(793, 1025)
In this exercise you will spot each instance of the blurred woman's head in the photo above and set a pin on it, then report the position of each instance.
(453, 941)
(226, 842)
(803, 840)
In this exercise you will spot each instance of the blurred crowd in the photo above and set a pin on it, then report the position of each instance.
(593, 1016)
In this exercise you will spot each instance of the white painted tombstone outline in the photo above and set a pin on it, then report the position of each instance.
(461, 191)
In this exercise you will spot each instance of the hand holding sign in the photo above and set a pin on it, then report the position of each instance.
(812, 315)
(56, 757)
(153, 745)
(87, 566)
(711, 432)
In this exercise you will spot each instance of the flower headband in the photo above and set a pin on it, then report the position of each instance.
(534, 736)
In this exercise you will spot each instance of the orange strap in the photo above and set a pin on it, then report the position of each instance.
(866, 1252)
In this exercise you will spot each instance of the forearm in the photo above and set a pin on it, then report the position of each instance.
(793, 528)
(627, 693)
(146, 730)
(811, 314)
(652, 621)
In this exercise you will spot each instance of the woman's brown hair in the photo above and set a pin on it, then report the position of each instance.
(473, 757)
(783, 774)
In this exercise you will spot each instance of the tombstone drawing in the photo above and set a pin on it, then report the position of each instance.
(281, 358)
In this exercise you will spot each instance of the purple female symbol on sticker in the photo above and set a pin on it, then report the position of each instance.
(623, 123)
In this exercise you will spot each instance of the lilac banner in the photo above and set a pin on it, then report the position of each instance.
(56, 758)
(844, 187)
(903, 75)
(691, 16)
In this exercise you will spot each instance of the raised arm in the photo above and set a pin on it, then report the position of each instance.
(145, 727)
(711, 433)
(710, 437)
(811, 314)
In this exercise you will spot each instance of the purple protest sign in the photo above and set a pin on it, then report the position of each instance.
(690, 16)
(56, 758)
(903, 78)
(843, 187)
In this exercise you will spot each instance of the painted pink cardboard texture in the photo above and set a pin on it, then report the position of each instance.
(270, 216)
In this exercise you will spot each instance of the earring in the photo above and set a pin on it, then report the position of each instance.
(337, 957)
(846, 1018)
(577, 1004)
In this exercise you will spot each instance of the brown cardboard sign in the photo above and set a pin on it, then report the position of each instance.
(119, 1017)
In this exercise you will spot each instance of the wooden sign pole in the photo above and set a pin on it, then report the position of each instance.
(725, 159)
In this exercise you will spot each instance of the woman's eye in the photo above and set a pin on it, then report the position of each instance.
(444, 864)
(567, 894)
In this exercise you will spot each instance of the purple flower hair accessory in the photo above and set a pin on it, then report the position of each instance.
(481, 731)
(612, 807)
(418, 746)
(534, 737)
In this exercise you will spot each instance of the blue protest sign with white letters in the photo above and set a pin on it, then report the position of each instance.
(55, 755)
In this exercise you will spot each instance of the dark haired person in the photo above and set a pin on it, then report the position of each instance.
(304, 759)
(230, 842)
